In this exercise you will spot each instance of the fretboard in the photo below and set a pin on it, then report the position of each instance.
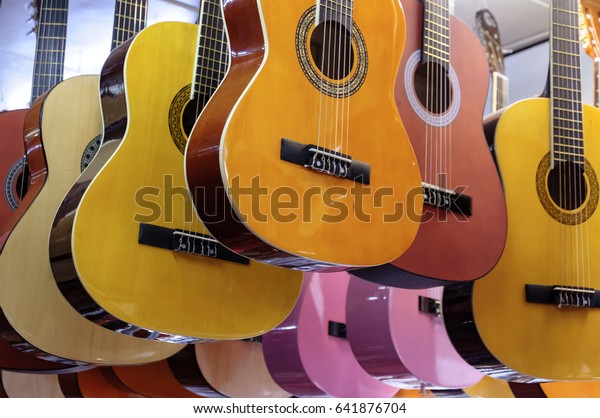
(130, 19)
(436, 32)
(213, 52)
(335, 10)
(49, 60)
(499, 91)
(565, 82)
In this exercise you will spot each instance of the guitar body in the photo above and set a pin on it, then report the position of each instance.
(100, 382)
(266, 96)
(153, 380)
(26, 385)
(186, 369)
(398, 343)
(42, 321)
(505, 335)
(282, 356)
(328, 359)
(11, 167)
(449, 246)
(488, 387)
(237, 369)
(201, 297)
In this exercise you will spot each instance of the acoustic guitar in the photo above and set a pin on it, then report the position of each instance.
(532, 317)
(100, 382)
(28, 385)
(153, 380)
(323, 341)
(149, 231)
(440, 93)
(39, 320)
(301, 154)
(489, 36)
(398, 336)
(589, 35)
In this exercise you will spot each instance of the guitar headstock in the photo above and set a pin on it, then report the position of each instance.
(35, 6)
(487, 29)
(589, 11)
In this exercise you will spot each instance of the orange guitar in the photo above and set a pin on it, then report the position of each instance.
(300, 159)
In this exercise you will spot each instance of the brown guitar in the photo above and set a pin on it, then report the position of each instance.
(440, 92)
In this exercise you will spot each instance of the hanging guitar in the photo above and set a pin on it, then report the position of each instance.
(440, 92)
(39, 320)
(155, 239)
(300, 158)
(534, 315)
(589, 36)
(398, 336)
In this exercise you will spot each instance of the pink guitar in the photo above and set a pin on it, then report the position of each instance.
(324, 350)
(399, 337)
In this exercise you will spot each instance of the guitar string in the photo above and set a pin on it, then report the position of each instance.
(349, 49)
(318, 12)
(202, 70)
(337, 29)
(329, 100)
(428, 94)
(345, 40)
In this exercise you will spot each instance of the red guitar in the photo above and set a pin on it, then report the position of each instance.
(440, 92)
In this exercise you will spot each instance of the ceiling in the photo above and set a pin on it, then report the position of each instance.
(521, 23)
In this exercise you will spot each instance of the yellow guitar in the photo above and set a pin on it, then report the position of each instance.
(536, 316)
(136, 259)
(40, 321)
(300, 158)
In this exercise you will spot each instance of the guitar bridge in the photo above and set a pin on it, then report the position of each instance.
(325, 161)
(186, 242)
(447, 199)
(563, 296)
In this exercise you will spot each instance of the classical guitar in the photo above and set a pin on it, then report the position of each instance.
(28, 385)
(100, 382)
(440, 92)
(533, 316)
(323, 340)
(237, 369)
(39, 319)
(398, 336)
(149, 230)
(489, 36)
(300, 158)
(154, 380)
(50, 28)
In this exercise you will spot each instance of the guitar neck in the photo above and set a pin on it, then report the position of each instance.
(567, 124)
(50, 46)
(213, 53)
(499, 91)
(130, 19)
(336, 10)
(436, 32)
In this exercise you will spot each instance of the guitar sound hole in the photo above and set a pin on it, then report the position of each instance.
(331, 50)
(191, 112)
(433, 87)
(22, 183)
(567, 185)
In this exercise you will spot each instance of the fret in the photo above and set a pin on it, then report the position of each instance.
(567, 66)
(564, 77)
(437, 15)
(446, 60)
(566, 40)
(129, 19)
(567, 153)
(443, 44)
(434, 23)
(433, 33)
(565, 128)
(565, 53)
(556, 9)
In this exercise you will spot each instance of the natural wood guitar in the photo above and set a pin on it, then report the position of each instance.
(301, 155)
(440, 92)
(149, 230)
(533, 316)
(58, 136)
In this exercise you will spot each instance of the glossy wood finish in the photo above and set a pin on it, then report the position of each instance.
(515, 333)
(488, 387)
(282, 356)
(186, 370)
(237, 369)
(397, 343)
(102, 382)
(450, 247)
(154, 380)
(24, 385)
(29, 296)
(11, 142)
(571, 389)
(328, 360)
(277, 100)
(201, 297)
